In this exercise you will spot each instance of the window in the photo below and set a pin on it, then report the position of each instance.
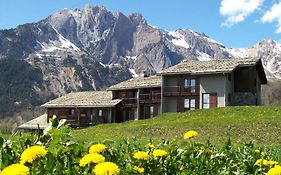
(192, 104)
(186, 83)
(186, 104)
(71, 111)
(206, 101)
(190, 83)
(100, 113)
(151, 111)
(189, 104)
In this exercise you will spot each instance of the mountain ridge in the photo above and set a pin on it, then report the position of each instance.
(93, 48)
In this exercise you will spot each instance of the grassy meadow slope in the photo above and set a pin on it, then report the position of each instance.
(241, 124)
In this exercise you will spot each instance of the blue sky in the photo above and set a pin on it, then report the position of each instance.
(235, 23)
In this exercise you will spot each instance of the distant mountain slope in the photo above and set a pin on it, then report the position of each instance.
(93, 48)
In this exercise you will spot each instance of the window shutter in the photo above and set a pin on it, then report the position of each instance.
(213, 100)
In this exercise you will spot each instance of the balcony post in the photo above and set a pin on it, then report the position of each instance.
(78, 115)
(161, 94)
(138, 104)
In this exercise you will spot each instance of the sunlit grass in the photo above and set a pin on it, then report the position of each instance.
(241, 124)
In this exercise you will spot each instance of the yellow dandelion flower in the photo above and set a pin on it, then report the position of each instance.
(149, 145)
(106, 168)
(15, 169)
(97, 148)
(190, 134)
(138, 169)
(276, 170)
(159, 153)
(272, 162)
(91, 158)
(259, 162)
(141, 155)
(263, 162)
(32, 153)
(257, 151)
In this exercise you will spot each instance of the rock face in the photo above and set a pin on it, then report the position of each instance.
(93, 48)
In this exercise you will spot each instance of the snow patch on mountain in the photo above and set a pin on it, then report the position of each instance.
(271, 73)
(238, 52)
(131, 57)
(153, 26)
(194, 33)
(61, 44)
(212, 40)
(133, 73)
(65, 43)
(277, 47)
(103, 65)
(39, 55)
(178, 39)
(48, 47)
(203, 56)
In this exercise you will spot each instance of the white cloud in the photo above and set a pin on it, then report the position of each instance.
(272, 15)
(236, 11)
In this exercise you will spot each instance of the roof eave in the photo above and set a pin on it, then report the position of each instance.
(80, 106)
(135, 87)
(199, 73)
(32, 127)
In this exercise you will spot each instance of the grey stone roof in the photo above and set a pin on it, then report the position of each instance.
(138, 82)
(33, 124)
(209, 67)
(84, 99)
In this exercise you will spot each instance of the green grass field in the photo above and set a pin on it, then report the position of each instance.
(241, 124)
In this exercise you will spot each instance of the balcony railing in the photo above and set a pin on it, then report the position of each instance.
(181, 90)
(129, 101)
(151, 97)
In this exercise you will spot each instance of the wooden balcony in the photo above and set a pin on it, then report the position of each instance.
(129, 101)
(181, 90)
(150, 98)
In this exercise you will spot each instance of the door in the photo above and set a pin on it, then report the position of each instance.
(209, 100)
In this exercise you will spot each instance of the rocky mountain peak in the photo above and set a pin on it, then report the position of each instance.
(137, 19)
(93, 48)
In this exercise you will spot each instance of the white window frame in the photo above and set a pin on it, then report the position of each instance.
(192, 104)
(206, 101)
(190, 83)
(187, 103)
(100, 112)
(151, 111)
(186, 83)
